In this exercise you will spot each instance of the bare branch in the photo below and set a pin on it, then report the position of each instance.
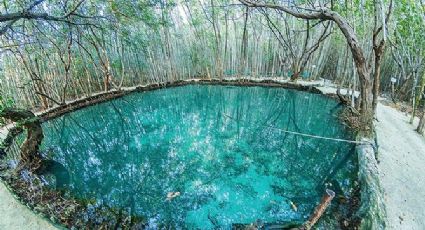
(325, 14)
(315, 14)
(74, 9)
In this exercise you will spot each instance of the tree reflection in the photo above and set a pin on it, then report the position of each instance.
(221, 147)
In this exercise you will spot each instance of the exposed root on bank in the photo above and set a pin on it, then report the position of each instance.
(351, 119)
(30, 155)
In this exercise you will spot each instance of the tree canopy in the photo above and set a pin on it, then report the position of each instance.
(57, 50)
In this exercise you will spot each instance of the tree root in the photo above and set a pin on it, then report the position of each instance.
(30, 155)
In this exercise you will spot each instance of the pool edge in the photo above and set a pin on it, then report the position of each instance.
(372, 213)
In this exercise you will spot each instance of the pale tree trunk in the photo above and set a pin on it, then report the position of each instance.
(244, 44)
(218, 61)
(377, 78)
(379, 48)
(104, 60)
(37, 81)
(421, 125)
(417, 94)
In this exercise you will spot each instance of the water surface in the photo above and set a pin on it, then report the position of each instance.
(222, 148)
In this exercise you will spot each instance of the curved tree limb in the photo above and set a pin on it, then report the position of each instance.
(30, 155)
(10, 18)
(363, 70)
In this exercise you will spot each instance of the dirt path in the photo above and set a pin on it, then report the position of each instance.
(14, 215)
(402, 169)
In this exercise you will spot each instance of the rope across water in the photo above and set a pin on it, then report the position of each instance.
(314, 136)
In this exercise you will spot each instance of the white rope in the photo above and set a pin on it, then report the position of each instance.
(313, 136)
(320, 137)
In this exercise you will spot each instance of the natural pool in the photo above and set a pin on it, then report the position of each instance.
(220, 150)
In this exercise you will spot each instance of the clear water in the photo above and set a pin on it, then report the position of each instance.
(220, 147)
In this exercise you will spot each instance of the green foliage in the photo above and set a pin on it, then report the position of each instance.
(129, 12)
(409, 24)
(5, 102)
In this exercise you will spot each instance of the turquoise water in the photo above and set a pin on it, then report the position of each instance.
(221, 148)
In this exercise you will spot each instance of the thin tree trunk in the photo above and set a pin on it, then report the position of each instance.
(377, 79)
(244, 44)
(421, 125)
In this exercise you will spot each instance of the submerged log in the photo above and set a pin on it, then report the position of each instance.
(318, 212)
(30, 155)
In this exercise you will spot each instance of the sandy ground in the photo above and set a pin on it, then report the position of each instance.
(402, 169)
(14, 215)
